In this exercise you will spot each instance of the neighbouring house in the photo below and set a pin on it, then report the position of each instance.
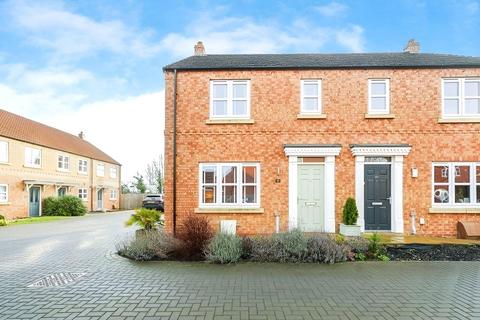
(272, 142)
(38, 161)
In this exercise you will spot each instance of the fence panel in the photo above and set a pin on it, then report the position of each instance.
(131, 201)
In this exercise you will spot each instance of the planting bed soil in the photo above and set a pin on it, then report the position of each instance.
(445, 252)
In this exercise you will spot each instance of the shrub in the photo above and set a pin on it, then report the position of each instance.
(357, 244)
(144, 218)
(195, 234)
(153, 244)
(3, 221)
(350, 212)
(282, 247)
(63, 206)
(224, 248)
(325, 249)
(375, 247)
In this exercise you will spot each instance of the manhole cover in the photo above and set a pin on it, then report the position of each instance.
(57, 279)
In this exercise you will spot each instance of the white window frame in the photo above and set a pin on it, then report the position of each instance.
(4, 146)
(100, 173)
(82, 163)
(63, 162)
(113, 194)
(461, 97)
(386, 96)
(318, 82)
(239, 184)
(6, 193)
(451, 185)
(230, 99)
(28, 156)
(83, 194)
(114, 175)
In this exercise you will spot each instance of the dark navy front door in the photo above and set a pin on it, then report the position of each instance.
(34, 202)
(377, 197)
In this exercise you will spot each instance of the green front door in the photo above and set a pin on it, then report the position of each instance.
(311, 198)
(34, 201)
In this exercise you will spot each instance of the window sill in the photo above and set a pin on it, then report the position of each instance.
(229, 210)
(312, 116)
(5, 203)
(82, 173)
(32, 167)
(5, 163)
(454, 210)
(459, 120)
(230, 121)
(63, 170)
(379, 116)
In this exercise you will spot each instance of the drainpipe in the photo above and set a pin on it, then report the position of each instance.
(277, 222)
(174, 188)
(412, 222)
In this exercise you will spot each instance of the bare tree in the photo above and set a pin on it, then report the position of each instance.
(154, 175)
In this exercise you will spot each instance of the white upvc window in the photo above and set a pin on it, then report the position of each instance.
(311, 96)
(113, 194)
(82, 166)
(229, 185)
(100, 170)
(33, 157)
(378, 96)
(83, 194)
(230, 99)
(3, 193)
(461, 98)
(113, 173)
(63, 162)
(456, 184)
(4, 151)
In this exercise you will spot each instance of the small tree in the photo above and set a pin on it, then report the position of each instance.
(144, 218)
(350, 212)
(139, 183)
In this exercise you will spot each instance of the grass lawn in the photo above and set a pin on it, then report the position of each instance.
(35, 220)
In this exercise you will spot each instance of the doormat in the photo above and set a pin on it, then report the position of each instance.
(57, 280)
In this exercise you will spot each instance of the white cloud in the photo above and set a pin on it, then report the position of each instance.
(332, 9)
(351, 38)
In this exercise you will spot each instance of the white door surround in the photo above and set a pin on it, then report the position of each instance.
(294, 151)
(397, 152)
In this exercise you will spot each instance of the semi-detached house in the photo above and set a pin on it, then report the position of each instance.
(38, 161)
(272, 142)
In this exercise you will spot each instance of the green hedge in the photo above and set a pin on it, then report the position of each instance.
(63, 206)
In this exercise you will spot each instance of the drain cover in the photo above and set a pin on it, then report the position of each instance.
(57, 279)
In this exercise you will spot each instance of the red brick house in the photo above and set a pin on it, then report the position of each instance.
(272, 142)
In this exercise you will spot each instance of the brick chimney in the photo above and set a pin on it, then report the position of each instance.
(81, 135)
(412, 46)
(199, 49)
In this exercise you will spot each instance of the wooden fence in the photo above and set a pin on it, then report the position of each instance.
(129, 201)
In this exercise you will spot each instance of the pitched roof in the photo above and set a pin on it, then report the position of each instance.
(324, 61)
(19, 128)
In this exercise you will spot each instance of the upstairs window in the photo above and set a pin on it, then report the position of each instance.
(456, 184)
(100, 170)
(63, 163)
(461, 97)
(230, 99)
(311, 97)
(113, 173)
(378, 96)
(3, 151)
(82, 166)
(33, 157)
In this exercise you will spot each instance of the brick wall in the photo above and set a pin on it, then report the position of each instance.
(415, 97)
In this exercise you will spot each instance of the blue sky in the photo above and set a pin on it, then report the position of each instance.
(97, 65)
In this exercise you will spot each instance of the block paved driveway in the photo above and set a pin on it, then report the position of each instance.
(116, 288)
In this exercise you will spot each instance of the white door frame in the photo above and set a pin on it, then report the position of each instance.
(397, 152)
(328, 152)
(103, 198)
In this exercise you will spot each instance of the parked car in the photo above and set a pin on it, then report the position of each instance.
(153, 201)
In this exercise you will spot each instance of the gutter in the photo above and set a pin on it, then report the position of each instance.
(174, 189)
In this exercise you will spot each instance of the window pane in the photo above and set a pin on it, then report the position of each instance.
(310, 89)
(239, 108)
(310, 104)
(462, 194)
(3, 151)
(440, 174)
(472, 106)
(472, 89)
(478, 194)
(239, 91)
(378, 88)
(229, 194)
(450, 89)
(229, 174)
(379, 103)
(478, 174)
(462, 174)
(249, 174)
(220, 91)
(441, 194)
(209, 194)
(249, 194)
(451, 106)
(220, 108)
(209, 175)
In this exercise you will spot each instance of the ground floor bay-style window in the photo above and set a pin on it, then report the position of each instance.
(456, 184)
(229, 185)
